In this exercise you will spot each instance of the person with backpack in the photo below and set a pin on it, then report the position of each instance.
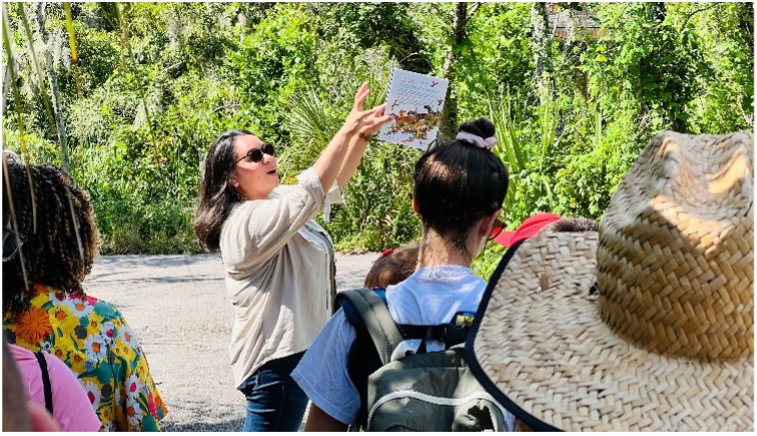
(460, 187)
(20, 414)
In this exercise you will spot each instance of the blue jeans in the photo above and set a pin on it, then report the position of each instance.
(274, 400)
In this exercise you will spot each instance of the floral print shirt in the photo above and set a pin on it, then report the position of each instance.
(92, 337)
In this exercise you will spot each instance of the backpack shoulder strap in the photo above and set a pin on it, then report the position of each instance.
(375, 316)
(45, 381)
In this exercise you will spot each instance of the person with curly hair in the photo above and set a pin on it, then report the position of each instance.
(49, 243)
(278, 262)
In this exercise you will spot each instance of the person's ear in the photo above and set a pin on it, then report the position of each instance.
(486, 224)
(233, 180)
(415, 206)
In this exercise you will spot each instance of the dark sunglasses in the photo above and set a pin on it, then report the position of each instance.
(11, 244)
(496, 229)
(256, 154)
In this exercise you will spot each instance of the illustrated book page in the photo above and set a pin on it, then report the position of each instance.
(415, 102)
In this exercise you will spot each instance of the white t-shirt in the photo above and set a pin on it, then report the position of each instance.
(430, 296)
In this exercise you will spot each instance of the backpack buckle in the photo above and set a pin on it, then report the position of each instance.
(454, 335)
(403, 350)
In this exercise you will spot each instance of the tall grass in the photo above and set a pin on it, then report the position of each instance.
(41, 79)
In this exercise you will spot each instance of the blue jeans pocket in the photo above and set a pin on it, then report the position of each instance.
(274, 400)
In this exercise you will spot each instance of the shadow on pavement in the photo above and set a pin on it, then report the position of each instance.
(223, 426)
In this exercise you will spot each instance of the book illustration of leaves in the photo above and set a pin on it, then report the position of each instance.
(414, 101)
(416, 124)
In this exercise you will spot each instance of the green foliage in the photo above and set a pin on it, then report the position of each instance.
(161, 80)
(378, 202)
(272, 63)
(645, 61)
(386, 25)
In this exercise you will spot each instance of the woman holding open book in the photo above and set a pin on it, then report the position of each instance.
(278, 262)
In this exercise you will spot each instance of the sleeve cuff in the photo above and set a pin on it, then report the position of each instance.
(309, 180)
(327, 407)
(334, 196)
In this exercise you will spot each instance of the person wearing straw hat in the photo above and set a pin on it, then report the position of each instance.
(645, 325)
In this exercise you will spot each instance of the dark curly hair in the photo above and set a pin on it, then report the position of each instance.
(50, 256)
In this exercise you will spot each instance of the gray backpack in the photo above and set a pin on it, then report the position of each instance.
(421, 391)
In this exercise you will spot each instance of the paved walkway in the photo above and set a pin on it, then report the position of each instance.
(178, 307)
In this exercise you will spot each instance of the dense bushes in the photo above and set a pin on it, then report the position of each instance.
(161, 80)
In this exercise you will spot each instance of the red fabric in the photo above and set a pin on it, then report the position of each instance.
(531, 226)
(386, 252)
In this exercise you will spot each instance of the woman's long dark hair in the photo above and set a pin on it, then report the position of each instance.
(217, 195)
(457, 184)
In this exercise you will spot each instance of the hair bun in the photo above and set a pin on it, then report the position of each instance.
(481, 127)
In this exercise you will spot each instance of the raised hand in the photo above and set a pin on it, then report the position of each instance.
(364, 121)
(375, 120)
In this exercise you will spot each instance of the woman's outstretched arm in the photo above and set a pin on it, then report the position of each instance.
(344, 145)
(358, 145)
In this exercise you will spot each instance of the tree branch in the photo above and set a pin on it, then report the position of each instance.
(440, 14)
(473, 10)
(691, 15)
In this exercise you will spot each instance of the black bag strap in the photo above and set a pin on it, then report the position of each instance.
(375, 316)
(449, 334)
(45, 381)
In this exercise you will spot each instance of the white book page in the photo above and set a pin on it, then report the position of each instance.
(415, 102)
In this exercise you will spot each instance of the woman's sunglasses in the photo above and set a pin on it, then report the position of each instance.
(496, 229)
(256, 154)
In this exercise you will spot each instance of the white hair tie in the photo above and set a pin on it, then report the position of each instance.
(487, 143)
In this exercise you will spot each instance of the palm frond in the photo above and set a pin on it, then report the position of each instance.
(17, 105)
(60, 121)
(40, 77)
(309, 118)
(72, 43)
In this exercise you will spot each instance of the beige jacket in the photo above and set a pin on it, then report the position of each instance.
(279, 275)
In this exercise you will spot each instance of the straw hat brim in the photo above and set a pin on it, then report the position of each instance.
(539, 346)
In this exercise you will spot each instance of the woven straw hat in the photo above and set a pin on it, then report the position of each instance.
(646, 325)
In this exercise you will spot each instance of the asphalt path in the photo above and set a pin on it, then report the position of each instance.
(178, 307)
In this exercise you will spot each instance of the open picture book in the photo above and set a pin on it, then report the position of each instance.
(415, 102)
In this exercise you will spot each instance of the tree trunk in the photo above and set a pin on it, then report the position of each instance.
(448, 126)
(542, 39)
